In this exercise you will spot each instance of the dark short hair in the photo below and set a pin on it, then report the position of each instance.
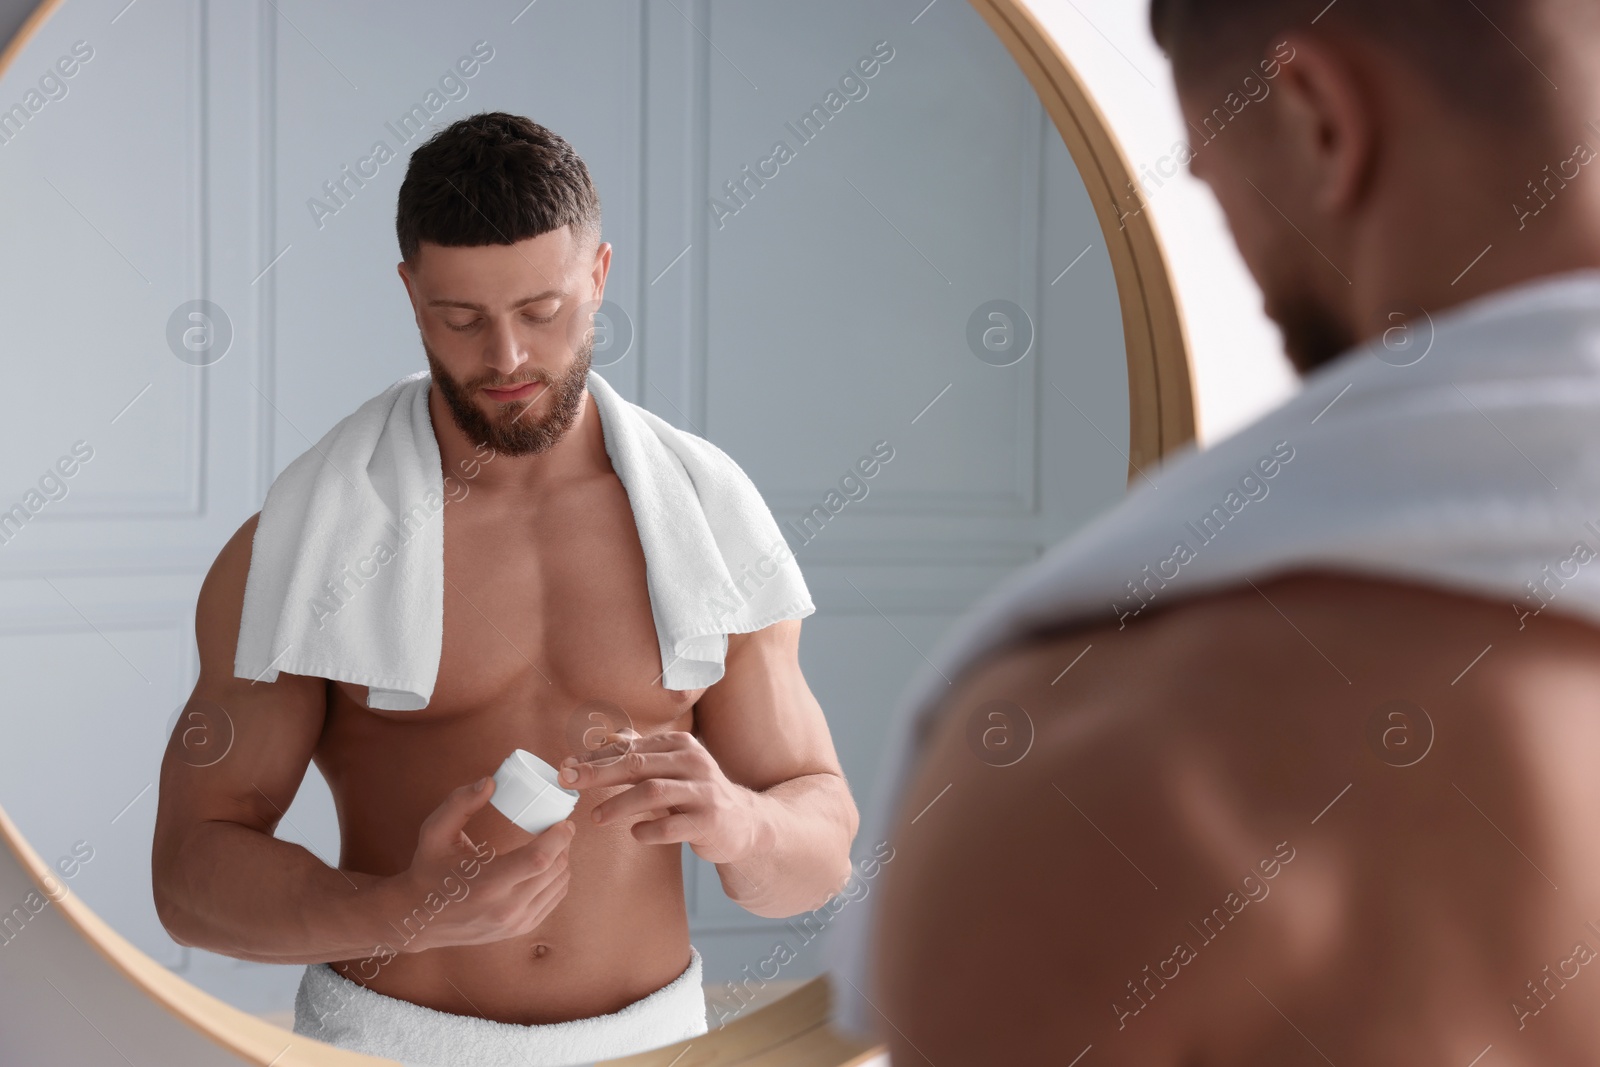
(1486, 57)
(493, 178)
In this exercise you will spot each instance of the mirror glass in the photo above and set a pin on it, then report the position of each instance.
(811, 263)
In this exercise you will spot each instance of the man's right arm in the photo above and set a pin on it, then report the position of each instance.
(221, 880)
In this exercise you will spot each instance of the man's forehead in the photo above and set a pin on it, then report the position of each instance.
(547, 263)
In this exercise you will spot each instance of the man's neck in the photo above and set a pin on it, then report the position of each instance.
(579, 452)
(1438, 243)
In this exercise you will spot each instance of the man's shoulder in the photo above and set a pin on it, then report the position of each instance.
(1275, 648)
(1257, 704)
(221, 599)
(1262, 698)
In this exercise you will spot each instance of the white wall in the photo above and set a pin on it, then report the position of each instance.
(1239, 367)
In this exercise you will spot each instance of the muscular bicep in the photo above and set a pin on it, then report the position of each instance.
(760, 720)
(240, 748)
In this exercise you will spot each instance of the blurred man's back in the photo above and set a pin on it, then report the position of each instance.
(1321, 816)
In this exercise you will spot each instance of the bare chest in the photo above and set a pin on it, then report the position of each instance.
(549, 637)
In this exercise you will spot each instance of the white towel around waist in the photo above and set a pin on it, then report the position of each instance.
(348, 1015)
(1474, 467)
(346, 576)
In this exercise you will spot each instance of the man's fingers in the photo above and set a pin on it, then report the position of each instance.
(539, 855)
(660, 756)
(542, 903)
(445, 826)
(671, 829)
(657, 794)
(624, 741)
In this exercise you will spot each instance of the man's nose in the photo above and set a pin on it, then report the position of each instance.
(506, 350)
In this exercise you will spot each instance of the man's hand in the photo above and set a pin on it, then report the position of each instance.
(678, 785)
(756, 789)
(491, 897)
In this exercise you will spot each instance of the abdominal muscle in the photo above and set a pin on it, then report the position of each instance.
(621, 931)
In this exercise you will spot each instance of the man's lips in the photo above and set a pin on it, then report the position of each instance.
(516, 392)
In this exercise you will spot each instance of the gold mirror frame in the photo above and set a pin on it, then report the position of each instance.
(793, 1031)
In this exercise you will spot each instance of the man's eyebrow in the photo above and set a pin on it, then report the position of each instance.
(546, 295)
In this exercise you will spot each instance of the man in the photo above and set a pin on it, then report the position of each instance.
(548, 637)
(1337, 803)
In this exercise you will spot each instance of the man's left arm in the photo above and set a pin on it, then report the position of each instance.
(756, 788)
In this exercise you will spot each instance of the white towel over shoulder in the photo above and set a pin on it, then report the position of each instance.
(346, 578)
(1464, 454)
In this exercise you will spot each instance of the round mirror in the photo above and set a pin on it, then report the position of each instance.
(838, 230)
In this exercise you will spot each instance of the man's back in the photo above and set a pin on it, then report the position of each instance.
(1329, 818)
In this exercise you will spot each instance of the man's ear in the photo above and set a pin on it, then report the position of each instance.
(1324, 128)
(405, 279)
(602, 267)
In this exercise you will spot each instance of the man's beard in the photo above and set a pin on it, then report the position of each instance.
(512, 431)
(1312, 332)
